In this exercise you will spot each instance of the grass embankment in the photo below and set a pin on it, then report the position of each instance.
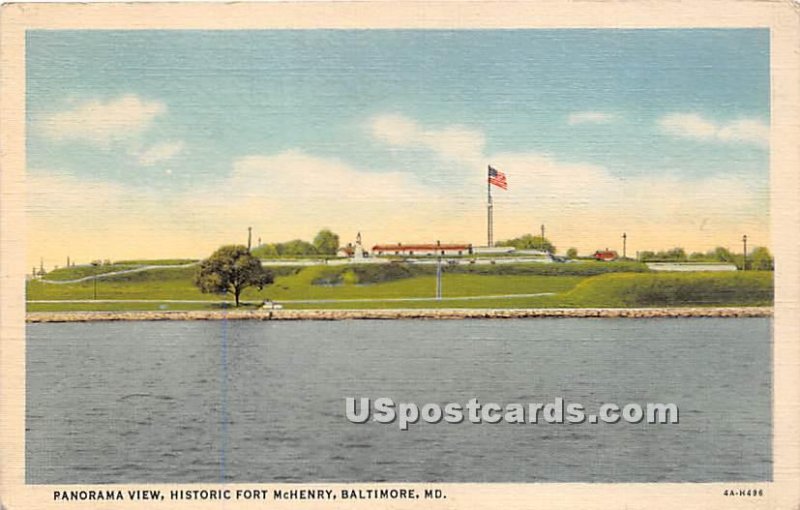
(77, 272)
(573, 285)
(753, 288)
(88, 271)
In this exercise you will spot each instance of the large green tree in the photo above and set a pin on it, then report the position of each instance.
(326, 242)
(231, 269)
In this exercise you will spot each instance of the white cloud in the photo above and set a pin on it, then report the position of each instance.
(745, 130)
(692, 125)
(590, 117)
(452, 143)
(160, 152)
(103, 122)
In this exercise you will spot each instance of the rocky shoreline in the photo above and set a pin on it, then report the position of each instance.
(391, 314)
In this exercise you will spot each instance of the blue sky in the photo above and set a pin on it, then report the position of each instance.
(155, 121)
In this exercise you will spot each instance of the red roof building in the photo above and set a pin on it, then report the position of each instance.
(605, 255)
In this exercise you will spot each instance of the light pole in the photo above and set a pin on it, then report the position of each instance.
(744, 262)
(624, 245)
(95, 264)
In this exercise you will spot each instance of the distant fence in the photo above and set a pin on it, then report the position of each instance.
(689, 266)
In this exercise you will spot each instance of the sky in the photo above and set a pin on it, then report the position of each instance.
(161, 144)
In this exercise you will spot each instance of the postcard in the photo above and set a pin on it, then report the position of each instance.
(400, 255)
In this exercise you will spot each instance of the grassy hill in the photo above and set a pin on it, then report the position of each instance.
(753, 288)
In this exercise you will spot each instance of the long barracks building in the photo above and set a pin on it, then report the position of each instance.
(418, 250)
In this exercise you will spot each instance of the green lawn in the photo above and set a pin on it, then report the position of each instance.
(299, 286)
(119, 307)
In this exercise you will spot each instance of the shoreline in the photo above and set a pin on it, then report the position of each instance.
(397, 314)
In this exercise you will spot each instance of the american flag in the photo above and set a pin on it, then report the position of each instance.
(497, 178)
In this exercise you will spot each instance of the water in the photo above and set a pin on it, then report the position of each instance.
(246, 401)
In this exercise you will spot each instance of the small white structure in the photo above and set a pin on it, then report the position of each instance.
(355, 252)
(358, 254)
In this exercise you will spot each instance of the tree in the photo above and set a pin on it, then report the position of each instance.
(572, 253)
(231, 269)
(761, 259)
(529, 242)
(326, 242)
(672, 255)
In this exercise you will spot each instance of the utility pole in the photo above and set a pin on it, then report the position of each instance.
(744, 262)
(249, 237)
(624, 245)
(542, 245)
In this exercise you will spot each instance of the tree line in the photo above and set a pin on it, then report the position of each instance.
(759, 258)
(325, 243)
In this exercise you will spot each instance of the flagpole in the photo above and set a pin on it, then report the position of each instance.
(489, 210)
